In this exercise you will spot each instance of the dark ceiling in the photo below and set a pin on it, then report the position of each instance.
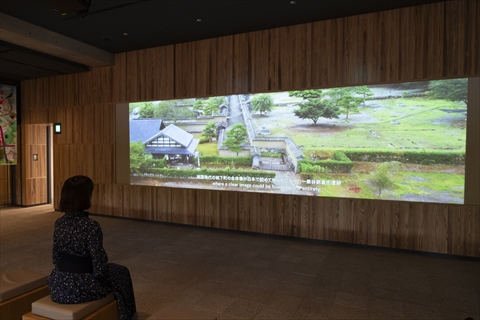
(126, 25)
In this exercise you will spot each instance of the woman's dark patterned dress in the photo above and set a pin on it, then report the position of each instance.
(77, 234)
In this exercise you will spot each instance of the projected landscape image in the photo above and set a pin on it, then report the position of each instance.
(403, 142)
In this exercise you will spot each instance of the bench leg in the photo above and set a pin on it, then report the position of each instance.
(31, 316)
(17, 306)
(107, 312)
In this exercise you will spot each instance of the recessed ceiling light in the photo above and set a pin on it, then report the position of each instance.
(199, 20)
(125, 33)
(292, 2)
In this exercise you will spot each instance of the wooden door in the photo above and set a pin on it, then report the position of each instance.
(34, 164)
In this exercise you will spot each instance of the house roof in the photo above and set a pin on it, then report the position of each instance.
(190, 150)
(177, 134)
(144, 129)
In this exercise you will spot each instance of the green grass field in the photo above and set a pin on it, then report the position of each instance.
(413, 186)
(205, 149)
(419, 124)
(405, 124)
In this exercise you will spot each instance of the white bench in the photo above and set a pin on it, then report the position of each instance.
(18, 289)
(102, 309)
(170, 312)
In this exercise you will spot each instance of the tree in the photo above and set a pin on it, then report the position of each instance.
(262, 103)
(198, 105)
(210, 131)
(146, 110)
(453, 90)
(213, 104)
(364, 92)
(349, 104)
(381, 179)
(315, 109)
(163, 109)
(138, 158)
(317, 106)
(307, 94)
(349, 98)
(235, 137)
(337, 94)
(170, 110)
(210, 107)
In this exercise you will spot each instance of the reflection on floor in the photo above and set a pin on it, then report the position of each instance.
(250, 276)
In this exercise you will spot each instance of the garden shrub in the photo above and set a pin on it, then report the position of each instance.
(204, 140)
(446, 157)
(229, 161)
(190, 173)
(272, 154)
(339, 164)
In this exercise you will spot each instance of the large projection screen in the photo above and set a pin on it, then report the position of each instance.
(402, 142)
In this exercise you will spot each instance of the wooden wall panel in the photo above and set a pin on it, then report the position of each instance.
(472, 63)
(295, 61)
(160, 73)
(406, 52)
(417, 43)
(5, 190)
(105, 199)
(104, 124)
(462, 34)
(103, 162)
(185, 70)
(243, 46)
(72, 94)
(162, 203)
(141, 66)
(205, 57)
(328, 53)
(132, 88)
(88, 122)
(78, 131)
(350, 70)
(40, 96)
(258, 77)
(222, 80)
(120, 78)
(273, 62)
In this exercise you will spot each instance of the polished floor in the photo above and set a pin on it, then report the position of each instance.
(250, 276)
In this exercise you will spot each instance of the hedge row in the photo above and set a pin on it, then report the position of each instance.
(447, 157)
(339, 164)
(148, 163)
(187, 173)
(272, 154)
(228, 161)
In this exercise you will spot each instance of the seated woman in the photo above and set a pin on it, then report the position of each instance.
(81, 271)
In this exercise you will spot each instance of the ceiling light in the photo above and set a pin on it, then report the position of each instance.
(125, 33)
(199, 20)
(292, 2)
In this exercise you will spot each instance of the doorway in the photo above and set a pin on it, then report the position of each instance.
(49, 133)
(37, 165)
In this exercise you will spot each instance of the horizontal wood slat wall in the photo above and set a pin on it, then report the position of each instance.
(418, 43)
